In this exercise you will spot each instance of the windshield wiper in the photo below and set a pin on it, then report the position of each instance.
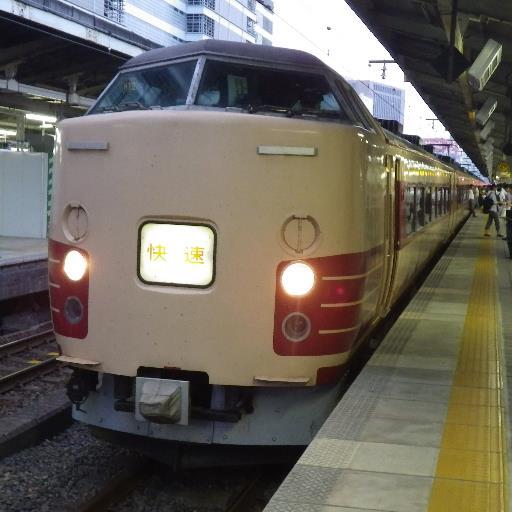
(252, 109)
(131, 105)
(299, 111)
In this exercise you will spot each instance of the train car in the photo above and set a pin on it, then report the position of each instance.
(229, 223)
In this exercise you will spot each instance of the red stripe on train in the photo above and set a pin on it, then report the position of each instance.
(62, 288)
(333, 307)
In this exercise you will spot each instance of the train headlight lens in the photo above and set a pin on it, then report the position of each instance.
(298, 279)
(75, 265)
(73, 310)
(296, 327)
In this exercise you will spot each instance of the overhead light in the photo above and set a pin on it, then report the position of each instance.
(47, 125)
(485, 65)
(487, 129)
(7, 133)
(486, 110)
(42, 118)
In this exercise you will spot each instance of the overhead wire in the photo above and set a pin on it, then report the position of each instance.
(375, 94)
(384, 100)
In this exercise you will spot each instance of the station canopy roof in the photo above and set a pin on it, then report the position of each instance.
(56, 58)
(419, 36)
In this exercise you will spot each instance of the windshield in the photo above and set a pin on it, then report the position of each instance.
(258, 89)
(157, 87)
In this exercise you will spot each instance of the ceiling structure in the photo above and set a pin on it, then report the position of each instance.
(426, 38)
(46, 67)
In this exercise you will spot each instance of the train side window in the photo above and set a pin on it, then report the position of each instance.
(440, 204)
(420, 206)
(428, 205)
(410, 211)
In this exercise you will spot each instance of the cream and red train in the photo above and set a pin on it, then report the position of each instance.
(229, 222)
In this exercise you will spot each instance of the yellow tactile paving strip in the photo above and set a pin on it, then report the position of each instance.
(471, 474)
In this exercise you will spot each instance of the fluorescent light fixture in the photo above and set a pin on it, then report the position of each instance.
(47, 125)
(42, 118)
(487, 129)
(486, 110)
(485, 65)
(7, 133)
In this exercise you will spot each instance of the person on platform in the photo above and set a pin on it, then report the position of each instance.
(492, 200)
(501, 194)
(472, 199)
(508, 219)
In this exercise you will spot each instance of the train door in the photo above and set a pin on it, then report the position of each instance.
(391, 233)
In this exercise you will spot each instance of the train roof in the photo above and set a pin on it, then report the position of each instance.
(256, 52)
(405, 144)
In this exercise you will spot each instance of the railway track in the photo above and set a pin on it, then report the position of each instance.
(24, 358)
(124, 484)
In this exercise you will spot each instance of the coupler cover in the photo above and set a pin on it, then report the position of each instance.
(162, 400)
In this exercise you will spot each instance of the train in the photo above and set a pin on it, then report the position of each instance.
(229, 224)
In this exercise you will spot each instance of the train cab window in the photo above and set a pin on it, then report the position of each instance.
(360, 113)
(267, 90)
(410, 211)
(160, 87)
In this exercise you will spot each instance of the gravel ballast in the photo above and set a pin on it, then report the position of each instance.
(60, 473)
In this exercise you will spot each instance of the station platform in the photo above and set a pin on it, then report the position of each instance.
(23, 266)
(426, 424)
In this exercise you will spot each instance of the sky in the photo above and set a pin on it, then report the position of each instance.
(347, 46)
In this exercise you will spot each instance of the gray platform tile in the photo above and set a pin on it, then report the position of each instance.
(396, 459)
(348, 418)
(426, 346)
(453, 310)
(330, 453)
(378, 491)
(411, 409)
(417, 375)
(309, 484)
(422, 392)
(371, 380)
(411, 361)
(373, 457)
(456, 296)
(281, 506)
(406, 432)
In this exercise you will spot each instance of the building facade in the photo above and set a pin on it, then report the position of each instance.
(383, 101)
(168, 22)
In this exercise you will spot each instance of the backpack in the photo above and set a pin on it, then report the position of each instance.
(487, 203)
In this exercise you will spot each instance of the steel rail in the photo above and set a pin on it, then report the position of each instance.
(26, 374)
(118, 488)
(242, 501)
(26, 342)
(31, 371)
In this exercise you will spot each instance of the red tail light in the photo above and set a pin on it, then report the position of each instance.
(69, 299)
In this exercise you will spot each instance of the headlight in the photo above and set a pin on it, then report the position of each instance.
(75, 265)
(298, 279)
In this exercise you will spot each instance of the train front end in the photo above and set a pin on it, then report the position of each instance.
(190, 256)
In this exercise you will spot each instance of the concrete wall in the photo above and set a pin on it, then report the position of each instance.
(23, 194)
